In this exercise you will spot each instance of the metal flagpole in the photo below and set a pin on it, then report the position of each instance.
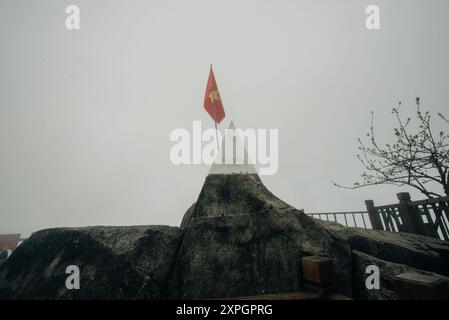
(215, 122)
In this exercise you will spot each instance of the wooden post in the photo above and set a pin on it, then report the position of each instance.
(318, 270)
(411, 218)
(374, 217)
(319, 275)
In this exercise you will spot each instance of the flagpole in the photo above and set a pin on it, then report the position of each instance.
(216, 129)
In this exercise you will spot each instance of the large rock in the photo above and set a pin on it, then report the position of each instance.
(387, 272)
(114, 262)
(416, 251)
(242, 240)
(238, 239)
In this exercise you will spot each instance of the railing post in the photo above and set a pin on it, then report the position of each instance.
(411, 218)
(374, 217)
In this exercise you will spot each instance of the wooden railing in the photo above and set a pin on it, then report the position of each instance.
(435, 215)
(428, 217)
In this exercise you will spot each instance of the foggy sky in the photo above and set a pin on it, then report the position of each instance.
(85, 116)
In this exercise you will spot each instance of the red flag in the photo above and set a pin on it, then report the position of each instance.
(212, 99)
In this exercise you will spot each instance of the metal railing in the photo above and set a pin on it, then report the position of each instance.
(359, 219)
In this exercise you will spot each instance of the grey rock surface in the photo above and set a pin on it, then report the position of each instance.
(242, 240)
(187, 216)
(114, 262)
(416, 251)
(387, 271)
(3, 256)
(238, 239)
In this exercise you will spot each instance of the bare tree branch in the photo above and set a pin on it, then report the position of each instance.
(416, 157)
